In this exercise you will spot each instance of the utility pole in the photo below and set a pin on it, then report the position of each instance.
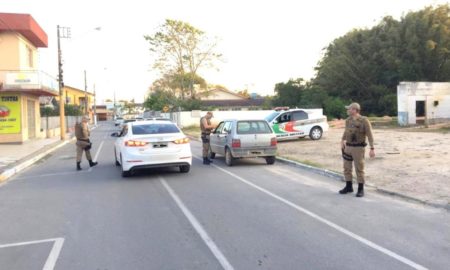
(85, 95)
(62, 100)
(95, 107)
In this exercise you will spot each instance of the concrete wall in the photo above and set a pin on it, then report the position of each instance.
(435, 95)
(14, 52)
(9, 51)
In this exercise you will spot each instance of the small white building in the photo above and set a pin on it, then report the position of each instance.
(423, 101)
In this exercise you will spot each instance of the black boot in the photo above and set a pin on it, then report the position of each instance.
(206, 161)
(360, 192)
(348, 188)
(92, 164)
(78, 166)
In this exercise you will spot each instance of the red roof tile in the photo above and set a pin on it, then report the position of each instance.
(26, 26)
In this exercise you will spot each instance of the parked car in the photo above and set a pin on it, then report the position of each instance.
(298, 123)
(243, 139)
(119, 121)
(151, 144)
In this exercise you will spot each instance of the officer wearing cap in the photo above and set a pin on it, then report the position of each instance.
(353, 144)
(206, 128)
(83, 143)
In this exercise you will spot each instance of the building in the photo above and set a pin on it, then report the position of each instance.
(423, 102)
(103, 113)
(223, 99)
(77, 97)
(21, 82)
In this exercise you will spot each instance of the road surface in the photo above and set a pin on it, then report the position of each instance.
(249, 216)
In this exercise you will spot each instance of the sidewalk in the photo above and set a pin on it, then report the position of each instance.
(16, 157)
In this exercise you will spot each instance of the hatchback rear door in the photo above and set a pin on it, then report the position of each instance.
(254, 133)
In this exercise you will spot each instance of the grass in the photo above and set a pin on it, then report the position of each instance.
(191, 130)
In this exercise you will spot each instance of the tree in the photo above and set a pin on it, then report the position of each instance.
(288, 94)
(181, 49)
(366, 65)
(160, 98)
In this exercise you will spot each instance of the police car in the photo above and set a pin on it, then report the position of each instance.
(297, 123)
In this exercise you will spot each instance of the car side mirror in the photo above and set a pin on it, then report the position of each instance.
(115, 134)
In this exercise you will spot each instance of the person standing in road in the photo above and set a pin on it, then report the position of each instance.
(357, 128)
(206, 128)
(83, 143)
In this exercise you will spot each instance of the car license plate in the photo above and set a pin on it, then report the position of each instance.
(255, 152)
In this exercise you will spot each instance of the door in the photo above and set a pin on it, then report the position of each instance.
(214, 138)
(420, 111)
(31, 117)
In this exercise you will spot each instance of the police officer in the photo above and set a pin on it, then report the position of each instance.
(353, 144)
(83, 143)
(206, 128)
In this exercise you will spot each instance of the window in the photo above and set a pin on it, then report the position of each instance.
(219, 127)
(30, 57)
(160, 128)
(227, 127)
(299, 115)
(285, 117)
(253, 127)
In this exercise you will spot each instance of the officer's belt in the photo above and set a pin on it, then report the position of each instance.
(203, 133)
(357, 144)
(83, 140)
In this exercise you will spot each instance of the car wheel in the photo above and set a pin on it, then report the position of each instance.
(124, 173)
(228, 157)
(315, 133)
(270, 160)
(185, 168)
(115, 157)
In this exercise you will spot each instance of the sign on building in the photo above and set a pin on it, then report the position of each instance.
(10, 114)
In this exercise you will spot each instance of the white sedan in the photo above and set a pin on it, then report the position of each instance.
(151, 144)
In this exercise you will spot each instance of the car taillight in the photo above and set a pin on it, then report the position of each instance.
(273, 142)
(135, 143)
(181, 141)
(236, 143)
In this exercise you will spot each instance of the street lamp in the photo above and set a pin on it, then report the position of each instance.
(62, 32)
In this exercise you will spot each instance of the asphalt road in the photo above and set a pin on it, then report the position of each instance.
(249, 216)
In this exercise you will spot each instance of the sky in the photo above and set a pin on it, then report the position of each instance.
(263, 42)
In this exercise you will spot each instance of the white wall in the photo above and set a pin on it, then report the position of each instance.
(410, 92)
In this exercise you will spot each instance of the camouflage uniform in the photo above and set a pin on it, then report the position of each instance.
(205, 136)
(356, 131)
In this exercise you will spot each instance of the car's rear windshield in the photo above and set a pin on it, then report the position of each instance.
(253, 127)
(157, 128)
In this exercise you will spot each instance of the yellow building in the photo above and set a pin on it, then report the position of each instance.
(21, 83)
(77, 97)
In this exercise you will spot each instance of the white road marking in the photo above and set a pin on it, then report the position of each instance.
(198, 227)
(96, 154)
(54, 253)
(325, 221)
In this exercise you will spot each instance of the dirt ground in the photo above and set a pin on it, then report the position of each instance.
(409, 161)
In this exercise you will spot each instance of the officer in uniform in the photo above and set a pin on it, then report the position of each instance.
(83, 143)
(206, 128)
(353, 144)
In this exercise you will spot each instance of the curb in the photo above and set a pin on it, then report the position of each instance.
(28, 162)
(340, 177)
